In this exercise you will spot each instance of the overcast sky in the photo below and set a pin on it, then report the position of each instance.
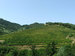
(30, 11)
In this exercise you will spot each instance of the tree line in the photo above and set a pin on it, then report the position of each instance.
(68, 25)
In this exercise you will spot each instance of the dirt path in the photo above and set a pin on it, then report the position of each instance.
(28, 47)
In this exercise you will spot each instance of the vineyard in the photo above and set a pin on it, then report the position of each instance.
(50, 39)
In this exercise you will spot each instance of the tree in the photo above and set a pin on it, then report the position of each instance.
(51, 49)
(65, 51)
(34, 51)
(9, 54)
(23, 53)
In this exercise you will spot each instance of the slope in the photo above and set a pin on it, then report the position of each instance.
(6, 26)
(37, 36)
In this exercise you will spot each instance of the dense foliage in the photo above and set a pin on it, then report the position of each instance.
(68, 25)
(51, 49)
(12, 51)
(66, 51)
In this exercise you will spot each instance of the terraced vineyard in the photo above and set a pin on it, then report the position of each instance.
(39, 39)
(39, 36)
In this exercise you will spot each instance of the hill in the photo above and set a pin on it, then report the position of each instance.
(50, 39)
(38, 25)
(34, 25)
(6, 26)
(36, 33)
(41, 35)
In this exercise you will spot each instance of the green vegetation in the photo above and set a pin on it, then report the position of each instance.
(66, 51)
(12, 51)
(37, 39)
(7, 27)
(8, 51)
(34, 25)
(51, 49)
(68, 25)
(41, 35)
(34, 51)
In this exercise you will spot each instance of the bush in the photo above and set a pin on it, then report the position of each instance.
(34, 51)
(51, 49)
(7, 51)
(23, 53)
(66, 51)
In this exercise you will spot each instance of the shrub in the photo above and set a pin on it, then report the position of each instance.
(66, 51)
(51, 49)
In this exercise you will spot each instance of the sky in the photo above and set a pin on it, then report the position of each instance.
(30, 11)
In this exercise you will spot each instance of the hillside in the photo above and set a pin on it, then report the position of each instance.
(38, 25)
(6, 26)
(41, 35)
(34, 25)
(51, 38)
(36, 33)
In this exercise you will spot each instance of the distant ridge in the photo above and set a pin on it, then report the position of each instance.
(6, 26)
